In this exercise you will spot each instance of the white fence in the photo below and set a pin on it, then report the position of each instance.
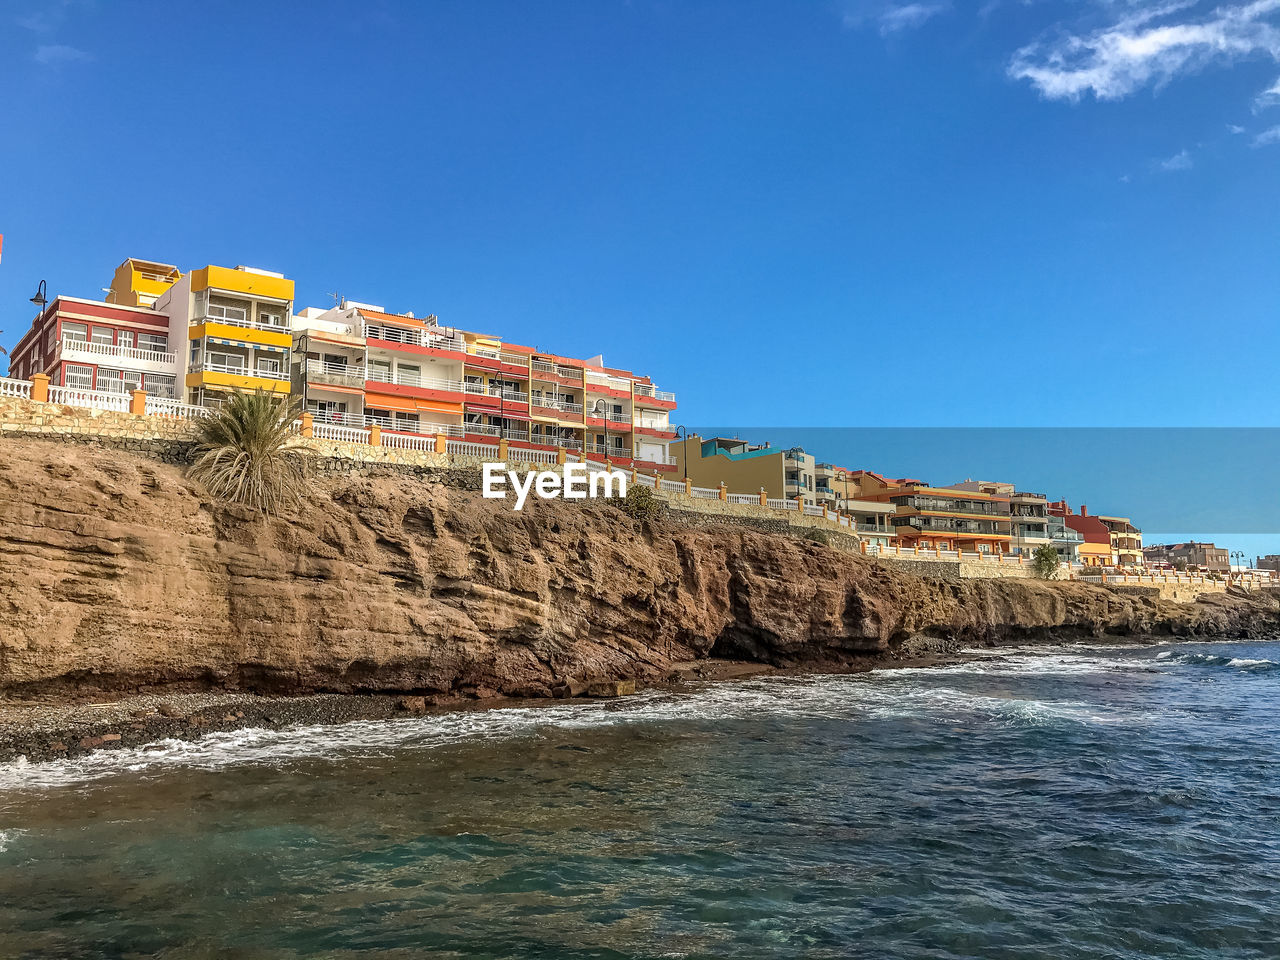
(409, 441)
(162, 407)
(485, 451)
(705, 493)
(747, 499)
(675, 486)
(15, 388)
(330, 431)
(93, 399)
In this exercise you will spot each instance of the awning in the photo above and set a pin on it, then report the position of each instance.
(384, 402)
(354, 391)
(247, 344)
(436, 406)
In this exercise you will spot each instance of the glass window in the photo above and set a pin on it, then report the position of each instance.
(103, 335)
(74, 375)
(73, 331)
(268, 365)
(159, 342)
(124, 338)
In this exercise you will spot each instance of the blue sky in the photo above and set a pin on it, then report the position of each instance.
(829, 213)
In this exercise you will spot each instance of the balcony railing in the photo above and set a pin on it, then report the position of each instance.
(416, 338)
(239, 321)
(557, 370)
(240, 370)
(562, 405)
(328, 372)
(605, 380)
(647, 390)
(413, 380)
(114, 352)
(489, 390)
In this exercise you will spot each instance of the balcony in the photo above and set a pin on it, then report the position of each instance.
(955, 527)
(415, 338)
(934, 505)
(648, 391)
(499, 393)
(564, 406)
(338, 374)
(399, 379)
(238, 317)
(260, 371)
(89, 351)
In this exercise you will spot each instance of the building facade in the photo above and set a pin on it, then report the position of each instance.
(94, 346)
(1189, 556)
(1126, 541)
(1094, 545)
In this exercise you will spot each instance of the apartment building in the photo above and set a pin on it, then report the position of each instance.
(945, 518)
(139, 283)
(1126, 541)
(1028, 514)
(1270, 562)
(872, 519)
(1094, 546)
(359, 364)
(96, 346)
(783, 474)
(236, 327)
(1190, 555)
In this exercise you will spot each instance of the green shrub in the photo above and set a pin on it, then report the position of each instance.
(243, 454)
(817, 536)
(1045, 562)
(641, 503)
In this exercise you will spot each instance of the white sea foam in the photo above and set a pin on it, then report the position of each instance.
(870, 697)
(1237, 662)
(7, 837)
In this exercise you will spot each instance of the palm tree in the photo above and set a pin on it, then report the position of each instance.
(244, 453)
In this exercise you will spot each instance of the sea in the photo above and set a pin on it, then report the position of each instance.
(1061, 802)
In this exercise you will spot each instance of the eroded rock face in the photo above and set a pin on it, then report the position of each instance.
(115, 572)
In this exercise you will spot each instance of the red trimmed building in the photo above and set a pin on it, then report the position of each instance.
(88, 345)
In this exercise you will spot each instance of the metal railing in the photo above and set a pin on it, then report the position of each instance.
(114, 351)
(348, 371)
(244, 322)
(239, 370)
(646, 390)
(413, 380)
(416, 338)
(562, 405)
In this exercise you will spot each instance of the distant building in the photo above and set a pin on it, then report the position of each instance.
(1200, 556)
(748, 467)
(1270, 562)
(1126, 541)
(1094, 545)
(942, 518)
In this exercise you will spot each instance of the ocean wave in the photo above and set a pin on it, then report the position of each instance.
(870, 697)
(7, 837)
(1246, 664)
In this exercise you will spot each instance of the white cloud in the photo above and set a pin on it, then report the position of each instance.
(888, 16)
(56, 54)
(908, 17)
(1179, 161)
(1148, 48)
(1234, 128)
(1270, 96)
(1267, 137)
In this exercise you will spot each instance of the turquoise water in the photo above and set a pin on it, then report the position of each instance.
(1070, 804)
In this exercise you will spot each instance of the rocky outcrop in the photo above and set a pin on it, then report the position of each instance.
(117, 573)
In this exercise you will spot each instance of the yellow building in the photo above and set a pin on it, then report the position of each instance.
(238, 330)
(1126, 541)
(139, 283)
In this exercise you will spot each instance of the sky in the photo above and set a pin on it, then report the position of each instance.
(837, 213)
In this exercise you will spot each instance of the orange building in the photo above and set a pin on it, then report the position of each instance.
(1095, 549)
(945, 518)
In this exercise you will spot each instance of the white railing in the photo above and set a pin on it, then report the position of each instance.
(10, 387)
(563, 405)
(645, 390)
(162, 407)
(811, 511)
(329, 431)
(646, 481)
(112, 350)
(244, 370)
(781, 504)
(241, 322)
(666, 461)
(705, 493)
(409, 441)
(672, 486)
(605, 380)
(515, 359)
(93, 399)
(425, 429)
(461, 448)
(648, 424)
(746, 499)
(328, 368)
(525, 455)
(413, 380)
(417, 338)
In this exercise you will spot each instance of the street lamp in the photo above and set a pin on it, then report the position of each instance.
(41, 298)
(601, 409)
(683, 435)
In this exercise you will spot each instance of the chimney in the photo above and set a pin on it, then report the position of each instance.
(1084, 511)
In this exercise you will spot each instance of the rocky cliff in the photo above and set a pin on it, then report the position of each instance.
(116, 573)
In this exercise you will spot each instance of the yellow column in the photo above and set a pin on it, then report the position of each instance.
(375, 436)
(561, 456)
(40, 387)
(724, 491)
(824, 512)
(138, 401)
(308, 427)
(442, 443)
(764, 497)
(688, 487)
(502, 449)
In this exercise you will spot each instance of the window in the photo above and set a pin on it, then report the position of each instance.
(118, 381)
(617, 443)
(103, 335)
(268, 366)
(225, 311)
(74, 375)
(72, 331)
(124, 338)
(230, 362)
(158, 342)
(407, 422)
(409, 374)
(158, 385)
(271, 319)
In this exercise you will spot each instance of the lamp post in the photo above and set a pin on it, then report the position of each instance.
(683, 435)
(601, 409)
(41, 298)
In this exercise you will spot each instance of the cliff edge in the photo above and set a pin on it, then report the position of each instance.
(116, 573)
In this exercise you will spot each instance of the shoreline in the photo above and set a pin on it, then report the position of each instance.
(44, 729)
